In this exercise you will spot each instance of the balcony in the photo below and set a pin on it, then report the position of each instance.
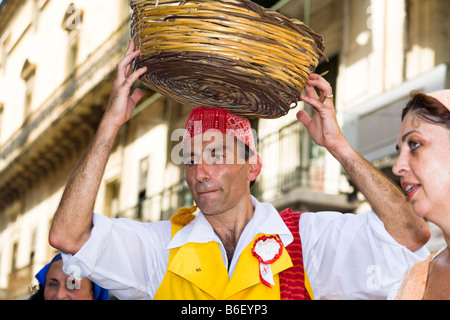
(62, 126)
(160, 206)
(19, 282)
(293, 173)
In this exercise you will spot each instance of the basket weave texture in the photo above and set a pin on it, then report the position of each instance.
(233, 54)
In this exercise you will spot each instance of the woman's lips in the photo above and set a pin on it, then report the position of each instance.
(410, 189)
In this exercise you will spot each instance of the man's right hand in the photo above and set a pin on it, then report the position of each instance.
(121, 104)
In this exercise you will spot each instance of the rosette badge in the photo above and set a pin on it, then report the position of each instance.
(232, 54)
(267, 249)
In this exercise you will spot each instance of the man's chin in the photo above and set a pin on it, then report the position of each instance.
(208, 201)
(208, 208)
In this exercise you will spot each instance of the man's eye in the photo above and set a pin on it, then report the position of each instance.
(190, 162)
(217, 158)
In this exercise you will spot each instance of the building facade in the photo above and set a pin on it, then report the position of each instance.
(57, 65)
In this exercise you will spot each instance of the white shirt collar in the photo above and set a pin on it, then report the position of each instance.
(266, 220)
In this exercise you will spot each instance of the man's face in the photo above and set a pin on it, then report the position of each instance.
(216, 172)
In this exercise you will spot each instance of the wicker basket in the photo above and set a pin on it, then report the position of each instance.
(233, 54)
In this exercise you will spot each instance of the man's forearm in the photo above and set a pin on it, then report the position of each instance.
(386, 199)
(72, 222)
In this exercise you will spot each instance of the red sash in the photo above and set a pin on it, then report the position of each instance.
(292, 280)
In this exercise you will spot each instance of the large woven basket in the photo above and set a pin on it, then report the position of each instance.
(233, 54)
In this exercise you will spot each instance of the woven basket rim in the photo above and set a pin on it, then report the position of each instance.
(236, 45)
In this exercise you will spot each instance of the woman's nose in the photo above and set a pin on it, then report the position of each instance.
(62, 294)
(400, 165)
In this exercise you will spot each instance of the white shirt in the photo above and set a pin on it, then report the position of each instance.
(346, 256)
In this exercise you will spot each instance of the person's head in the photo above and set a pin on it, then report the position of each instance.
(54, 284)
(424, 152)
(220, 157)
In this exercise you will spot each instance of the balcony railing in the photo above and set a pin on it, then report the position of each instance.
(160, 206)
(290, 160)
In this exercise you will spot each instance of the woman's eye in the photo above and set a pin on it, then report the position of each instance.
(414, 145)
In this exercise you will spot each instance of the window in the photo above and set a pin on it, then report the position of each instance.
(1, 264)
(142, 186)
(332, 68)
(33, 246)
(1, 121)
(72, 23)
(36, 15)
(15, 252)
(28, 75)
(5, 53)
(112, 199)
(72, 53)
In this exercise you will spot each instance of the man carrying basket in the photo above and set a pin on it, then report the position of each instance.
(236, 247)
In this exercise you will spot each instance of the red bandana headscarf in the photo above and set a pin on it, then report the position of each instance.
(203, 119)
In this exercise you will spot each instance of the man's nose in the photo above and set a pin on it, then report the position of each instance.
(202, 171)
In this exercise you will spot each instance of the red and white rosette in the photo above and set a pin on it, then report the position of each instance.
(267, 249)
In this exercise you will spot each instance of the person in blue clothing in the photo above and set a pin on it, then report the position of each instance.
(53, 285)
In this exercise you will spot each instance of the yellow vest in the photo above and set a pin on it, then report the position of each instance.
(196, 272)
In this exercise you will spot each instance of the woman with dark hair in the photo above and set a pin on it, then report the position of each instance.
(424, 169)
(53, 285)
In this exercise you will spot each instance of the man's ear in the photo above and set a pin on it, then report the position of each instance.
(255, 167)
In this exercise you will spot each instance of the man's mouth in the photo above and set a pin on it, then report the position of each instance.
(206, 192)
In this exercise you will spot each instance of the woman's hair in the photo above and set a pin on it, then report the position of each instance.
(37, 292)
(428, 109)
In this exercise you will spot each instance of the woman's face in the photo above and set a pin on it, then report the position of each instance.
(56, 285)
(424, 167)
